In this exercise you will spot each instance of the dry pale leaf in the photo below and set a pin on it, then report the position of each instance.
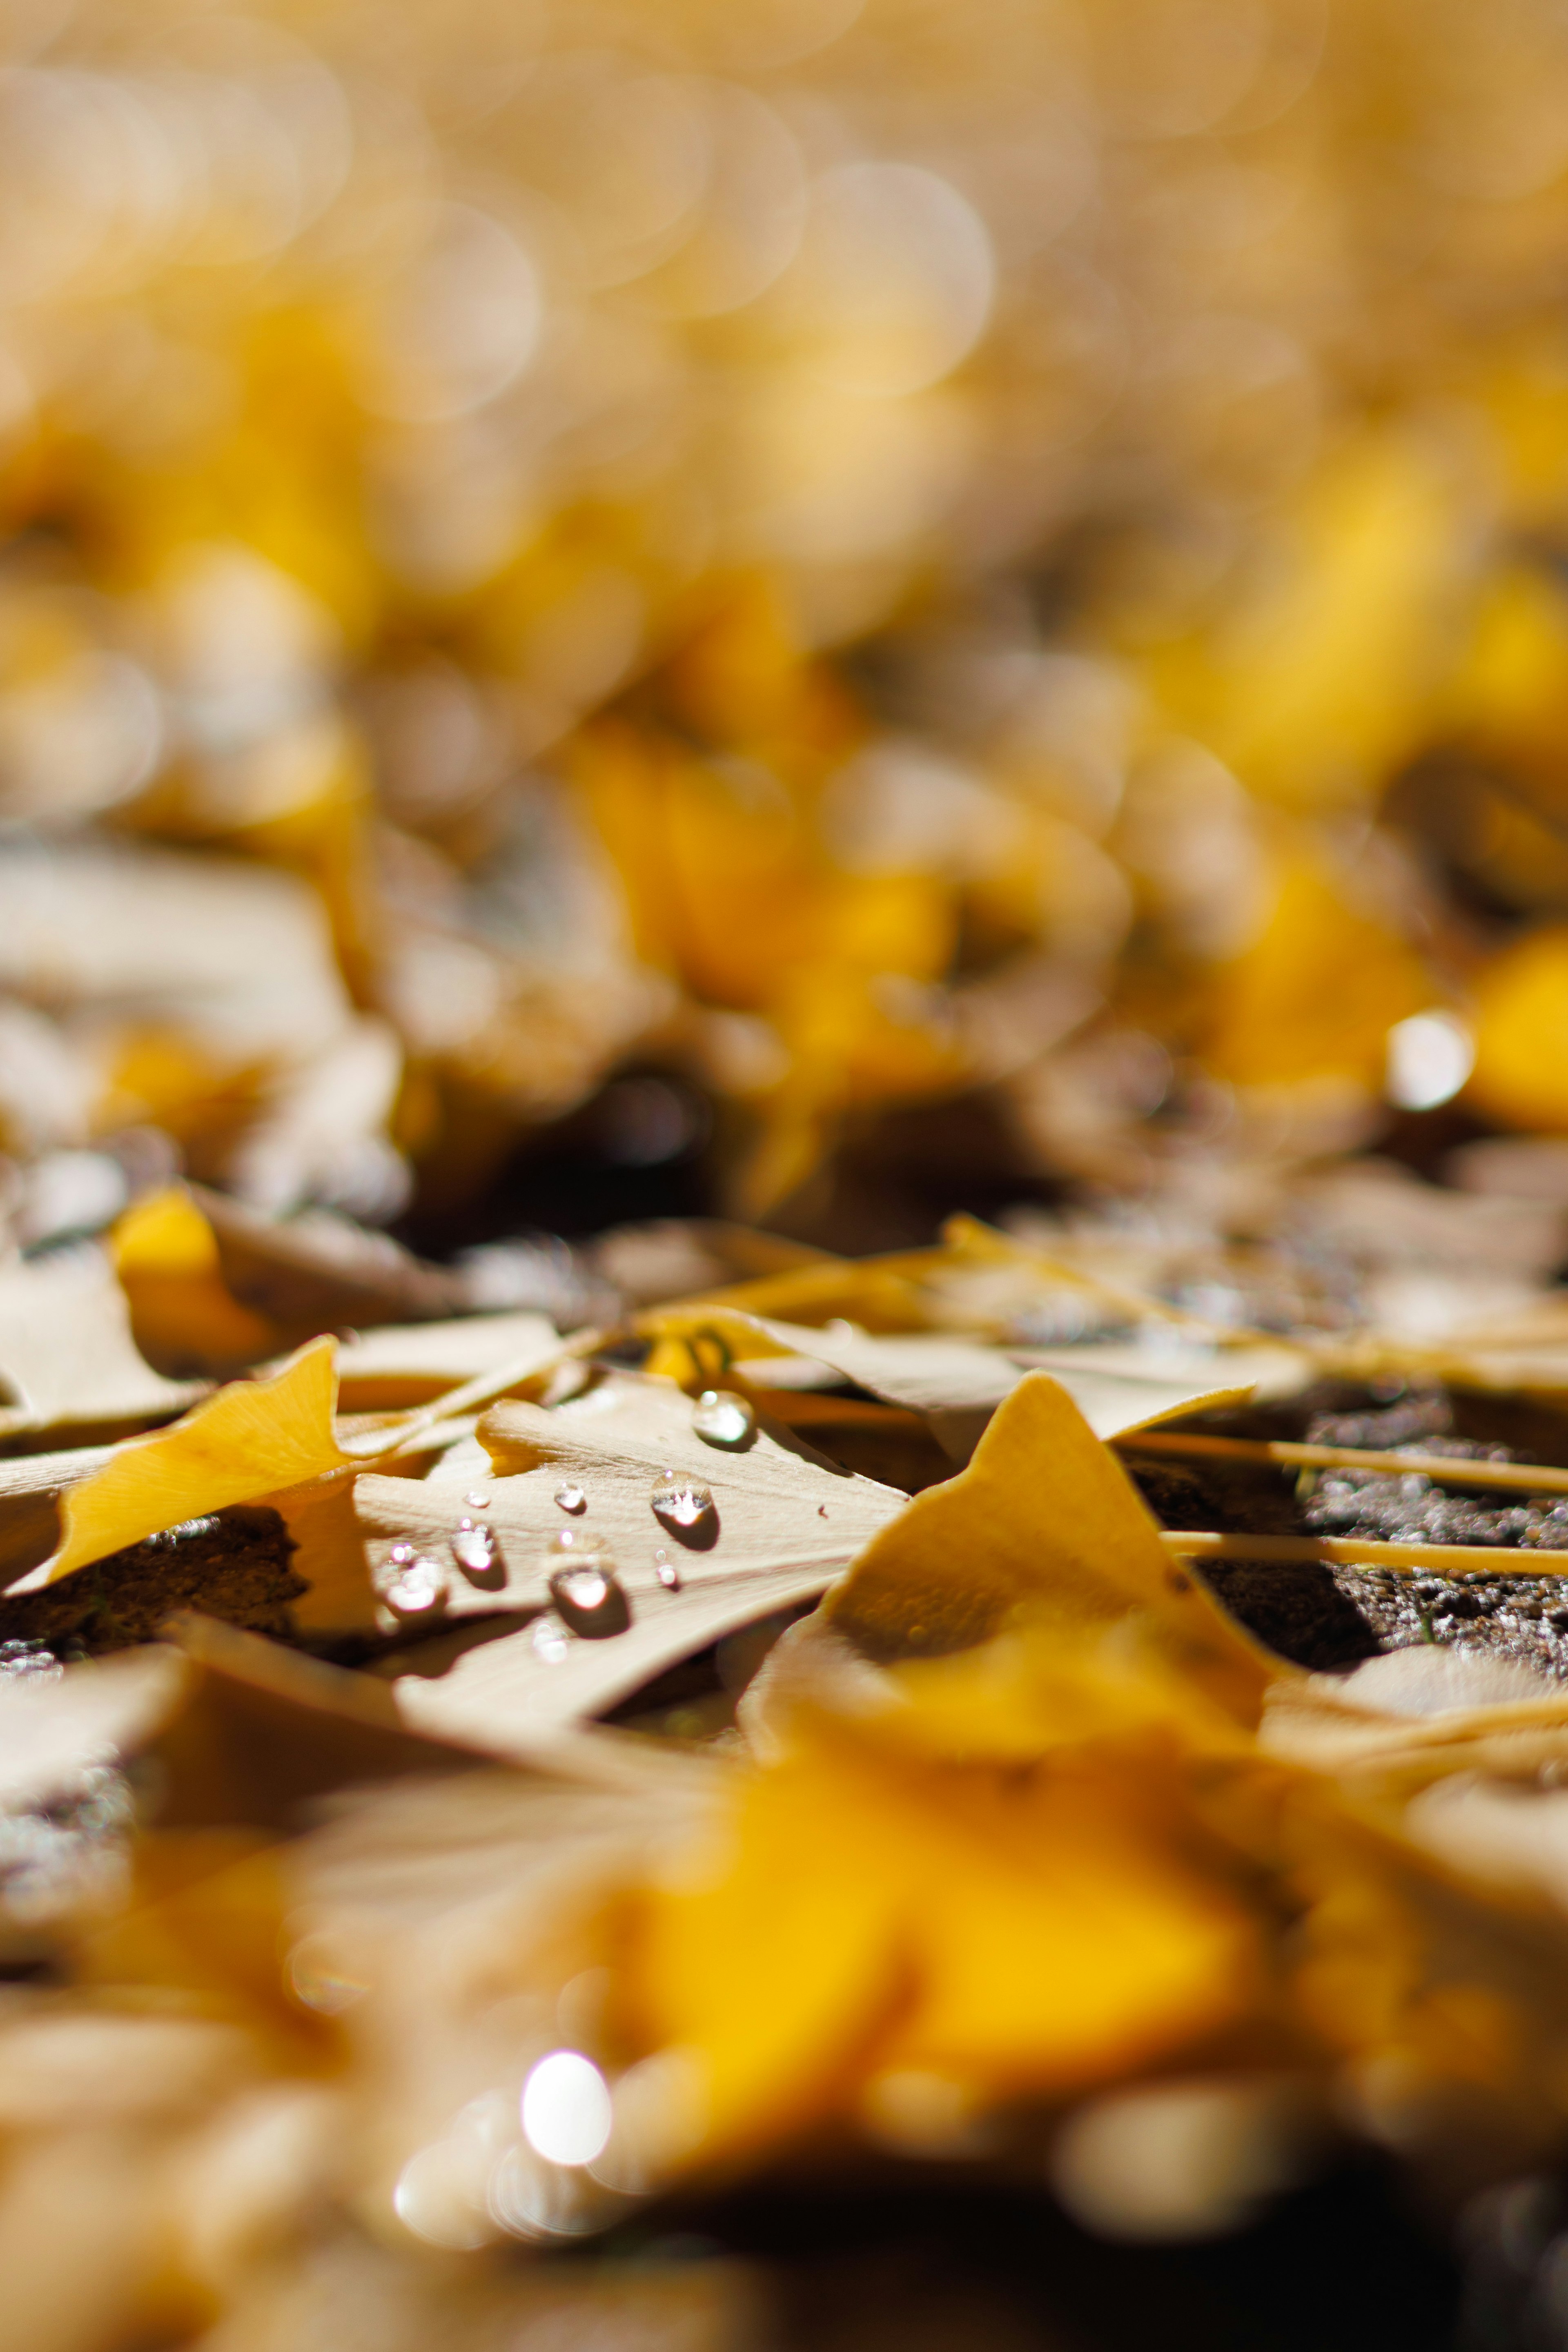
(773, 1502)
(403, 1364)
(957, 1384)
(1419, 1716)
(318, 1272)
(67, 1354)
(509, 1696)
(54, 1728)
(783, 1525)
(31, 1485)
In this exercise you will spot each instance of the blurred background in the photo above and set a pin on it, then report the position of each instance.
(810, 611)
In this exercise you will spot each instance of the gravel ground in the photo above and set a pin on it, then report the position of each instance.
(1327, 1616)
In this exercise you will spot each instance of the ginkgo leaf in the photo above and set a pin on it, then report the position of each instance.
(957, 1384)
(252, 1438)
(403, 1364)
(182, 1311)
(31, 1485)
(52, 1729)
(66, 1353)
(996, 1933)
(1044, 1519)
(783, 1525)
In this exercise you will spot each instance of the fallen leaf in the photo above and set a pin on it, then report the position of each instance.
(319, 1272)
(404, 1364)
(67, 1354)
(1044, 1519)
(182, 1311)
(253, 1438)
(31, 1485)
(783, 1525)
(54, 1728)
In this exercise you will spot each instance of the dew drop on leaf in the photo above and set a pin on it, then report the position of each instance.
(681, 1503)
(722, 1418)
(474, 1546)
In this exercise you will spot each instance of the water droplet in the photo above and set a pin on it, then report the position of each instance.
(477, 1500)
(665, 1571)
(474, 1548)
(551, 1638)
(412, 1587)
(571, 1498)
(719, 1417)
(585, 1589)
(822, 1510)
(681, 1503)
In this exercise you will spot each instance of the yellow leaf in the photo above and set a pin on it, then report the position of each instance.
(1318, 683)
(1520, 1075)
(1044, 1520)
(253, 1438)
(896, 1895)
(1316, 994)
(182, 1311)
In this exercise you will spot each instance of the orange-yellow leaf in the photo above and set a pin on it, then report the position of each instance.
(182, 1311)
(253, 1438)
(1044, 1519)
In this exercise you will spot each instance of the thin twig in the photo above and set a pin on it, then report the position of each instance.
(1443, 1469)
(1351, 1551)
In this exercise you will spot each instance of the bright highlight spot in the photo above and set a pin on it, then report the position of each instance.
(1429, 1057)
(567, 2109)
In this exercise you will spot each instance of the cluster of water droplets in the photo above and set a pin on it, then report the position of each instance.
(411, 1584)
(589, 1602)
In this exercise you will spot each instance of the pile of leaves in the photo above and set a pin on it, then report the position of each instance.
(504, 1832)
(730, 577)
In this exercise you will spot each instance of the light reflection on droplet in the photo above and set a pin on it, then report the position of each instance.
(474, 1548)
(566, 2108)
(591, 1599)
(665, 1569)
(551, 1642)
(571, 1498)
(681, 1503)
(722, 1418)
(411, 1584)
